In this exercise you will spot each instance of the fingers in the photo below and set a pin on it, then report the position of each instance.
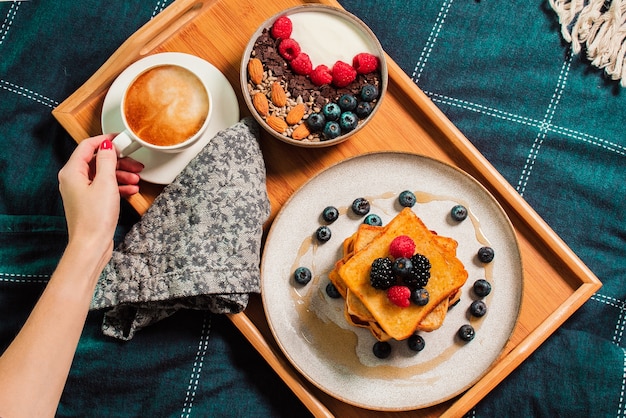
(104, 168)
(106, 161)
(126, 177)
(127, 190)
(130, 165)
(77, 168)
(125, 169)
(88, 147)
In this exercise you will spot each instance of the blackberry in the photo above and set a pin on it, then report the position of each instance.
(330, 214)
(420, 272)
(373, 219)
(332, 291)
(348, 121)
(381, 349)
(302, 275)
(360, 206)
(381, 274)
(323, 233)
(331, 111)
(486, 254)
(466, 333)
(363, 109)
(478, 308)
(407, 199)
(369, 92)
(482, 287)
(316, 122)
(416, 342)
(331, 130)
(347, 102)
(458, 213)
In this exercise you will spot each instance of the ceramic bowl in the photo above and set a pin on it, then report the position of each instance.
(327, 35)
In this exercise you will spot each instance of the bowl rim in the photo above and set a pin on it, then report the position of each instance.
(243, 72)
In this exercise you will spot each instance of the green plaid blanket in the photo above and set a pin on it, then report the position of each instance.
(548, 120)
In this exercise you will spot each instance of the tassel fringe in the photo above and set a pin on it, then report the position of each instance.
(600, 27)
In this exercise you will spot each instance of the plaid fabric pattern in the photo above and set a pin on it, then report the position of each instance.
(191, 364)
(552, 124)
(548, 120)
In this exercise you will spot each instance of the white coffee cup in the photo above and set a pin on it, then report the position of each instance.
(166, 108)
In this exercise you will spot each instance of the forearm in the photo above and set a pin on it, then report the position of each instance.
(34, 368)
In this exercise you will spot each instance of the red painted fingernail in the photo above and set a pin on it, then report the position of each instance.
(106, 144)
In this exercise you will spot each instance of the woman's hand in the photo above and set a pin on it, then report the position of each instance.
(35, 366)
(91, 183)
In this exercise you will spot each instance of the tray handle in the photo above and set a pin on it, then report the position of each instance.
(158, 30)
(171, 23)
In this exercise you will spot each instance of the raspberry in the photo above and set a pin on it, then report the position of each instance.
(381, 275)
(321, 75)
(282, 28)
(402, 246)
(365, 63)
(301, 64)
(289, 49)
(399, 295)
(343, 74)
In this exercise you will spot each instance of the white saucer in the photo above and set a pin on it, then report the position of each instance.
(160, 167)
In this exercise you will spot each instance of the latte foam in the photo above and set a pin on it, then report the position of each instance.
(166, 105)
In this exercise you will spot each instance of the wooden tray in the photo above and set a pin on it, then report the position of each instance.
(556, 282)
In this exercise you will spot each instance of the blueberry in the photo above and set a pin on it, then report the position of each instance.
(416, 342)
(332, 291)
(407, 199)
(486, 254)
(331, 111)
(348, 121)
(302, 275)
(323, 233)
(331, 130)
(420, 296)
(369, 92)
(458, 213)
(466, 333)
(363, 109)
(482, 288)
(373, 219)
(478, 308)
(316, 122)
(330, 214)
(381, 349)
(402, 266)
(360, 206)
(347, 102)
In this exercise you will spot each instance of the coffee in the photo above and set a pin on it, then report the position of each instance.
(166, 105)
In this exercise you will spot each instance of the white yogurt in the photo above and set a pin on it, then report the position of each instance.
(328, 38)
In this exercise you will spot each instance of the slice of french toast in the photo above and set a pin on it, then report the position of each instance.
(352, 274)
(355, 311)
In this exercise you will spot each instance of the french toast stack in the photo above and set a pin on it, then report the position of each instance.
(368, 307)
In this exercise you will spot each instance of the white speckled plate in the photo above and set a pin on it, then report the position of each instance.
(162, 167)
(310, 327)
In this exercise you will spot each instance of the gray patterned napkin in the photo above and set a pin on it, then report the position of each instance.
(198, 245)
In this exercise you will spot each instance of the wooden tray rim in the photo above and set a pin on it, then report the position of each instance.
(184, 11)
